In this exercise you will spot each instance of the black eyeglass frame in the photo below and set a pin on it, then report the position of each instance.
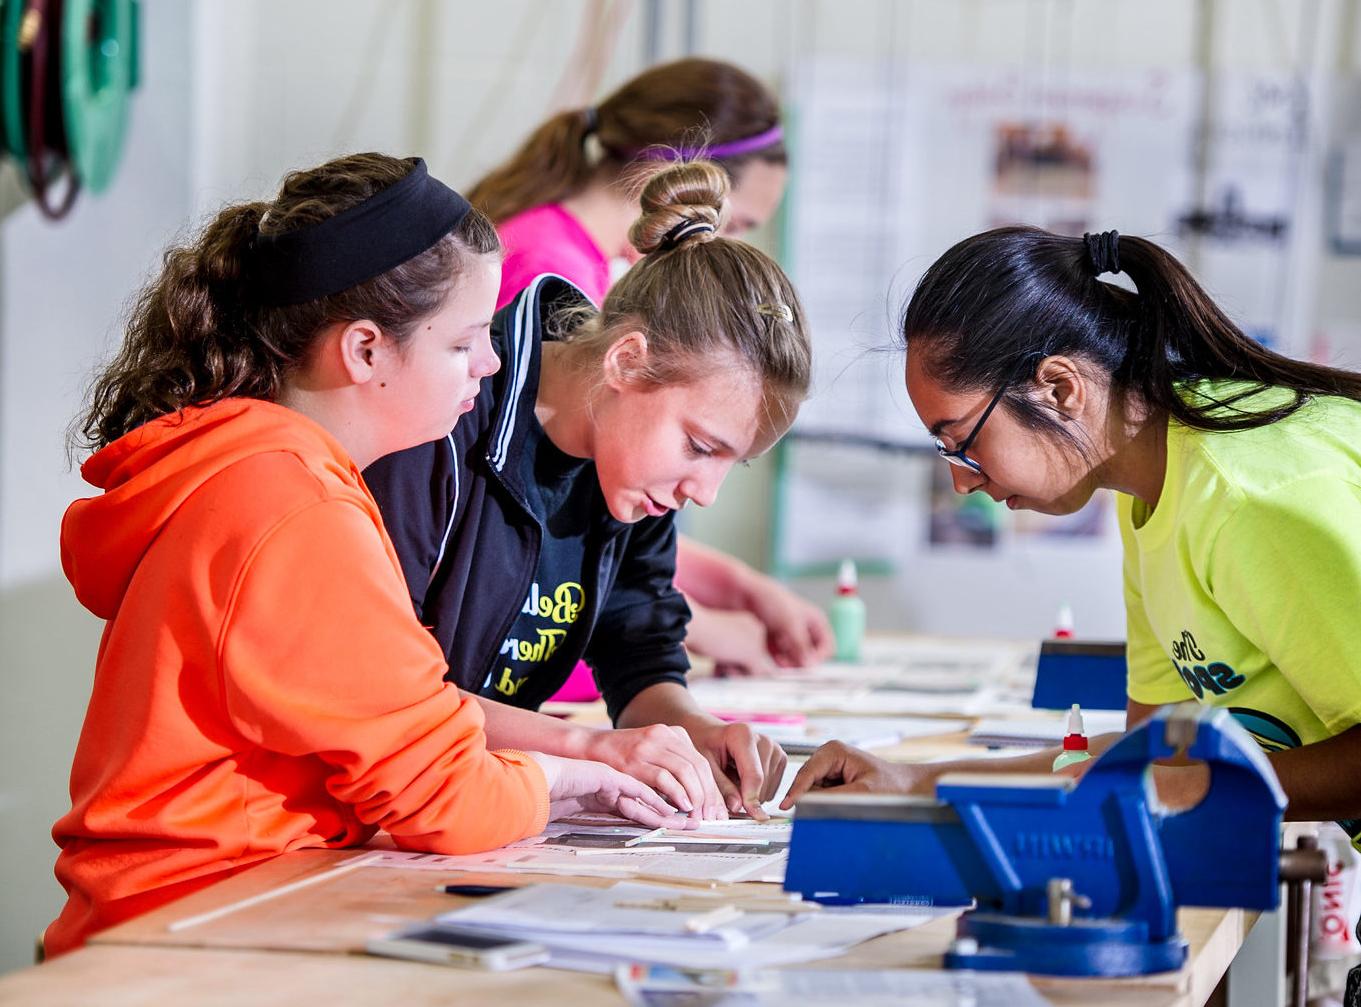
(958, 457)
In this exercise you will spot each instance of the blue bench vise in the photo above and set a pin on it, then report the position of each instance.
(1072, 878)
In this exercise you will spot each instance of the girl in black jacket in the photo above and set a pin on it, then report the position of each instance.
(541, 530)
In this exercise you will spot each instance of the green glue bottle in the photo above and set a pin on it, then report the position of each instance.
(847, 614)
(1074, 742)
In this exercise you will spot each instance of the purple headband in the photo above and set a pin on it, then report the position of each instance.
(718, 151)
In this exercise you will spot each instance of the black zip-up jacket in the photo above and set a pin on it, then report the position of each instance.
(469, 543)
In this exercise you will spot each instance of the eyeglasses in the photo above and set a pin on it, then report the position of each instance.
(957, 456)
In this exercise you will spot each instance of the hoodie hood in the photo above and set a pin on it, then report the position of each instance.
(149, 473)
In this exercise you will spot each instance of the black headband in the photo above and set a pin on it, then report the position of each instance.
(382, 232)
(1103, 250)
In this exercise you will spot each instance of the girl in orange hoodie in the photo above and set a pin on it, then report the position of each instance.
(262, 684)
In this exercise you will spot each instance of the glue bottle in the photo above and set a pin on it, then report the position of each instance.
(847, 614)
(1063, 623)
(1074, 742)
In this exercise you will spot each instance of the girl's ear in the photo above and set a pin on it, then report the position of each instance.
(1062, 386)
(361, 346)
(624, 360)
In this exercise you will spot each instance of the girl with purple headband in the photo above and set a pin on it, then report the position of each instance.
(566, 199)
(564, 204)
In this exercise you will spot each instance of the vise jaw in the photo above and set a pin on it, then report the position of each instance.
(1065, 877)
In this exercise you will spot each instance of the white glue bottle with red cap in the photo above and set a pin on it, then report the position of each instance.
(1074, 742)
(1063, 623)
(847, 614)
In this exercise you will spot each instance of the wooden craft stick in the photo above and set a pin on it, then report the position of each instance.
(273, 893)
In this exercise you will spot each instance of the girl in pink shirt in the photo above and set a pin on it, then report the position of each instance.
(548, 239)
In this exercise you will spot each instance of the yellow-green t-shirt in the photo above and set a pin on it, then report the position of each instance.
(1243, 585)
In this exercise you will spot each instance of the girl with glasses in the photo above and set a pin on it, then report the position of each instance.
(1238, 474)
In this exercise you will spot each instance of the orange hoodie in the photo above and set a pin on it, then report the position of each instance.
(262, 683)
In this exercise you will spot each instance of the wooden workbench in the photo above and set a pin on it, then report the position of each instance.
(304, 946)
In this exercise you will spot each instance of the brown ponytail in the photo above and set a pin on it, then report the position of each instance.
(549, 167)
(194, 335)
(671, 105)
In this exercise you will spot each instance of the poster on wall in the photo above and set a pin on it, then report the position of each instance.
(1236, 227)
(890, 169)
(891, 166)
(1343, 206)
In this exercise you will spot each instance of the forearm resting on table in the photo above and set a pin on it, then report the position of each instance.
(1032, 762)
(1317, 781)
(712, 578)
(665, 703)
(511, 727)
(724, 636)
(1314, 777)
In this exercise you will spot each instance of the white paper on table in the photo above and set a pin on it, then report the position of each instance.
(571, 921)
(1043, 728)
(554, 911)
(862, 732)
(835, 988)
(728, 868)
(774, 831)
(882, 700)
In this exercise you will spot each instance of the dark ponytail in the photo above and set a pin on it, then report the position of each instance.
(994, 304)
(195, 335)
(670, 105)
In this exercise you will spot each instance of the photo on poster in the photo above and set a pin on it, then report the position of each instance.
(1044, 175)
(961, 519)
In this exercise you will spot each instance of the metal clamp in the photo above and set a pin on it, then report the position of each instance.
(1061, 899)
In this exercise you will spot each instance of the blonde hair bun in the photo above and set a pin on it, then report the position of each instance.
(694, 192)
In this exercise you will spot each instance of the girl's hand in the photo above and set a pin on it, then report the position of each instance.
(734, 640)
(747, 766)
(838, 766)
(665, 759)
(577, 785)
(798, 634)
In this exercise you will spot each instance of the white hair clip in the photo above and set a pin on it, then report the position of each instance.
(777, 310)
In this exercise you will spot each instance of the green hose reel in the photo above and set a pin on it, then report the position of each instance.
(97, 77)
(67, 72)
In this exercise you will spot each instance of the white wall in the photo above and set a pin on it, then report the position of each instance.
(237, 91)
(62, 288)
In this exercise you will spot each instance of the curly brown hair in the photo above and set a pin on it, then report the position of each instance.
(194, 334)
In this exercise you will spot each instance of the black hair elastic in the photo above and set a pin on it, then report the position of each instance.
(681, 231)
(342, 251)
(592, 115)
(1104, 251)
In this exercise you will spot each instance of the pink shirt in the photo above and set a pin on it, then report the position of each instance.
(548, 239)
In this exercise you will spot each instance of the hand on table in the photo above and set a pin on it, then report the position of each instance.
(798, 634)
(577, 785)
(665, 759)
(747, 766)
(734, 640)
(838, 766)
